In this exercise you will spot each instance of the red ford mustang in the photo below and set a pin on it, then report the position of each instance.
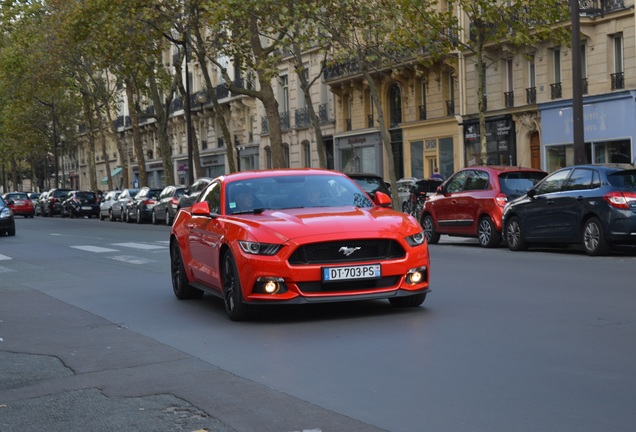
(296, 236)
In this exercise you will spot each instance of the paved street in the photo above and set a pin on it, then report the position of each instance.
(91, 337)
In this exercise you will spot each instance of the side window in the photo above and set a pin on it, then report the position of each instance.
(212, 195)
(477, 180)
(456, 182)
(596, 180)
(553, 182)
(581, 179)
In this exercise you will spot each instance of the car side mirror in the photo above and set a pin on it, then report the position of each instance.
(200, 209)
(382, 200)
(531, 193)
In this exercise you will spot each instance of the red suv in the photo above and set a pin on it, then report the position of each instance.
(471, 202)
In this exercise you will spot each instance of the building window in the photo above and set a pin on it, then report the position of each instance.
(283, 93)
(618, 77)
(286, 155)
(555, 87)
(584, 68)
(417, 159)
(531, 91)
(509, 94)
(306, 149)
(301, 94)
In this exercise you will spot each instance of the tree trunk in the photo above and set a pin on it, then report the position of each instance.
(137, 143)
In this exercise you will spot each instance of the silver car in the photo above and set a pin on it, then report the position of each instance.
(106, 203)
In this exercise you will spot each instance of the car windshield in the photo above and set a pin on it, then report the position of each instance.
(623, 179)
(87, 196)
(370, 184)
(515, 184)
(18, 196)
(154, 194)
(294, 191)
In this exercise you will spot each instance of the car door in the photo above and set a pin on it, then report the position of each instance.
(446, 209)
(569, 204)
(538, 213)
(205, 238)
(476, 190)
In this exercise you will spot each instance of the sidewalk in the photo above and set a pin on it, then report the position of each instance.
(63, 369)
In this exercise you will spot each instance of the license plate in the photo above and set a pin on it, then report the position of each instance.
(370, 271)
(86, 208)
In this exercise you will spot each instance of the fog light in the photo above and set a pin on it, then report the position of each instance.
(416, 275)
(270, 285)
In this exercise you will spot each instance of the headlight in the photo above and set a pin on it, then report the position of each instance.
(256, 248)
(416, 239)
(5, 213)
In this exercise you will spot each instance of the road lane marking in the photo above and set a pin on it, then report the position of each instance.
(139, 246)
(4, 257)
(6, 270)
(96, 249)
(130, 259)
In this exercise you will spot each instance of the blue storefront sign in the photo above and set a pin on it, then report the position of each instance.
(609, 128)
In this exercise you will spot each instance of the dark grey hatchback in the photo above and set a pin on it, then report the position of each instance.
(591, 205)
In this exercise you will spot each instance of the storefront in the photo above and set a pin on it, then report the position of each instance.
(359, 153)
(500, 141)
(609, 127)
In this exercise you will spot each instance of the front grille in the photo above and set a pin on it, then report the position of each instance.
(319, 287)
(333, 252)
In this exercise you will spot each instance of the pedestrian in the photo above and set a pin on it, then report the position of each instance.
(436, 175)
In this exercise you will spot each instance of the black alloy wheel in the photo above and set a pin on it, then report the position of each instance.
(432, 236)
(180, 285)
(235, 309)
(514, 234)
(594, 241)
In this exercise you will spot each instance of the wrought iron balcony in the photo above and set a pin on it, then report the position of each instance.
(556, 91)
(509, 99)
(618, 80)
(531, 95)
(302, 117)
(600, 7)
(322, 113)
(222, 91)
(284, 120)
(176, 105)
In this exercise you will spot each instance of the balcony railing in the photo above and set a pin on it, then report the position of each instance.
(284, 120)
(422, 112)
(176, 105)
(618, 80)
(222, 91)
(323, 115)
(303, 119)
(509, 99)
(531, 95)
(556, 91)
(599, 7)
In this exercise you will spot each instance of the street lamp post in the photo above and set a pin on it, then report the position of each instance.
(577, 92)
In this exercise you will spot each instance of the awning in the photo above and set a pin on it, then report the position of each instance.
(113, 173)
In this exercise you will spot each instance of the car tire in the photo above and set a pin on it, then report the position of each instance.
(111, 216)
(594, 241)
(432, 236)
(409, 301)
(128, 219)
(168, 221)
(514, 234)
(487, 234)
(180, 285)
(138, 218)
(154, 218)
(235, 309)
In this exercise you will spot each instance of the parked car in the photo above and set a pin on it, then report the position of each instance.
(20, 204)
(471, 202)
(33, 197)
(254, 238)
(590, 205)
(80, 204)
(53, 203)
(419, 193)
(404, 189)
(106, 203)
(7, 223)
(40, 203)
(192, 193)
(120, 207)
(370, 183)
(140, 209)
(165, 209)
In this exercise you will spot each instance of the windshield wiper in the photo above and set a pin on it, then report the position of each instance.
(252, 211)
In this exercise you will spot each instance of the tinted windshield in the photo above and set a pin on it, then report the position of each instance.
(623, 179)
(17, 196)
(294, 192)
(88, 196)
(516, 184)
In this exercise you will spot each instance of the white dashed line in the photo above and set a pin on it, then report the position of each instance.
(139, 246)
(96, 249)
(4, 257)
(130, 259)
(6, 270)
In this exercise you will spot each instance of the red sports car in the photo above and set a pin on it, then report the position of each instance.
(296, 236)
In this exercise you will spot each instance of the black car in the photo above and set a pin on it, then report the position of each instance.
(119, 208)
(7, 223)
(591, 205)
(166, 208)
(371, 183)
(193, 192)
(80, 204)
(140, 209)
(52, 205)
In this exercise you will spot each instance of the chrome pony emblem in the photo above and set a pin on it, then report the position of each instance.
(348, 250)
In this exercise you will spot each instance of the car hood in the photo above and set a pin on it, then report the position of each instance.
(336, 222)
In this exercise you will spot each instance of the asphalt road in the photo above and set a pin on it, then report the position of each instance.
(91, 337)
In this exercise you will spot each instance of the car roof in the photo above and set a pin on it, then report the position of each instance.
(502, 168)
(281, 172)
